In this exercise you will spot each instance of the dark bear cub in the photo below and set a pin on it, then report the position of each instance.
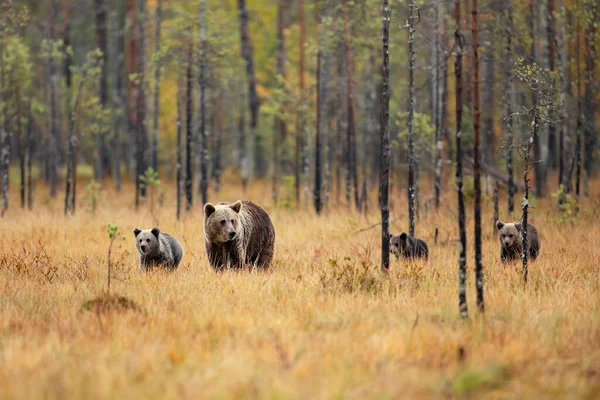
(408, 247)
(511, 244)
(157, 249)
(238, 234)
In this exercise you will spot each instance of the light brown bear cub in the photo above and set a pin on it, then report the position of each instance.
(238, 234)
(511, 245)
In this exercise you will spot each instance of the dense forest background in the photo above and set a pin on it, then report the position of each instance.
(289, 92)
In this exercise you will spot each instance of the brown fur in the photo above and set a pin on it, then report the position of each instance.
(511, 244)
(238, 234)
(408, 247)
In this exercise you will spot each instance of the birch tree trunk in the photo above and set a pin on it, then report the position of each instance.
(189, 137)
(411, 115)
(385, 142)
(179, 151)
(351, 137)
(156, 108)
(142, 139)
(317, 188)
(462, 269)
(117, 118)
(29, 157)
(203, 137)
(439, 114)
(100, 9)
(247, 55)
(525, 207)
(477, 161)
(508, 100)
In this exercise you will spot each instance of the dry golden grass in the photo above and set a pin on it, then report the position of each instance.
(322, 323)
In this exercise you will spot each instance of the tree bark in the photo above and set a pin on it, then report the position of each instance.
(247, 55)
(156, 107)
(589, 128)
(477, 157)
(101, 162)
(189, 137)
(117, 89)
(280, 134)
(579, 111)
(317, 188)
(131, 119)
(29, 157)
(178, 123)
(21, 145)
(440, 109)
(385, 142)
(551, 32)
(142, 144)
(462, 270)
(508, 102)
(539, 167)
(525, 207)
(411, 116)
(53, 151)
(203, 137)
(351, 137)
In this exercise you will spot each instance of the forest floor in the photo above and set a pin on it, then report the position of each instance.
(323, 322)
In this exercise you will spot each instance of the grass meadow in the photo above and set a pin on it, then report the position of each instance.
(322, 323)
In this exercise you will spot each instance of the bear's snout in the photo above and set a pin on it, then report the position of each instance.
(231, 235)
(143, 248)
(506, 244)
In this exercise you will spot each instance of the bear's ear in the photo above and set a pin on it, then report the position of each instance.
(209, 209)
(237, 206)
(519, 225)
(403, 236)
(155, 231)
(499, 225)
(136, 231)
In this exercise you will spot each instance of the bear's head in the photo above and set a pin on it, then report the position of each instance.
(509, 234)
(147, 241)
(399, 244)
(222, 221)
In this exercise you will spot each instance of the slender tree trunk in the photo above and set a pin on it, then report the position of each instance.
(487, 123)
(525, 207)
(550, 30)
(217, 129)
(5, 137)
(462, 271)
(53, 151)
(67, 43)
(317, 189)
(439, 100)
(247, 55)
(131, 119)
(385, 142)
(29, 156)
(351, 124)
(589, 128)
(340, 150)
(579, 111)
(189, 137)
(101, 156)
(300, 129)
(178, 123)
(21, 144)
(496, 208)
(117, 90)
(142, 144)
(411, 116)
(477, 161)
(156, 107)
(280, 134)
(70, 194)
(508, 102)
(539, 179)
(243, 149)
(203, 137)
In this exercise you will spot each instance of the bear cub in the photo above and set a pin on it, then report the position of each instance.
(511, 245)
(157, 249)
(408, 247)
(238, 234)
